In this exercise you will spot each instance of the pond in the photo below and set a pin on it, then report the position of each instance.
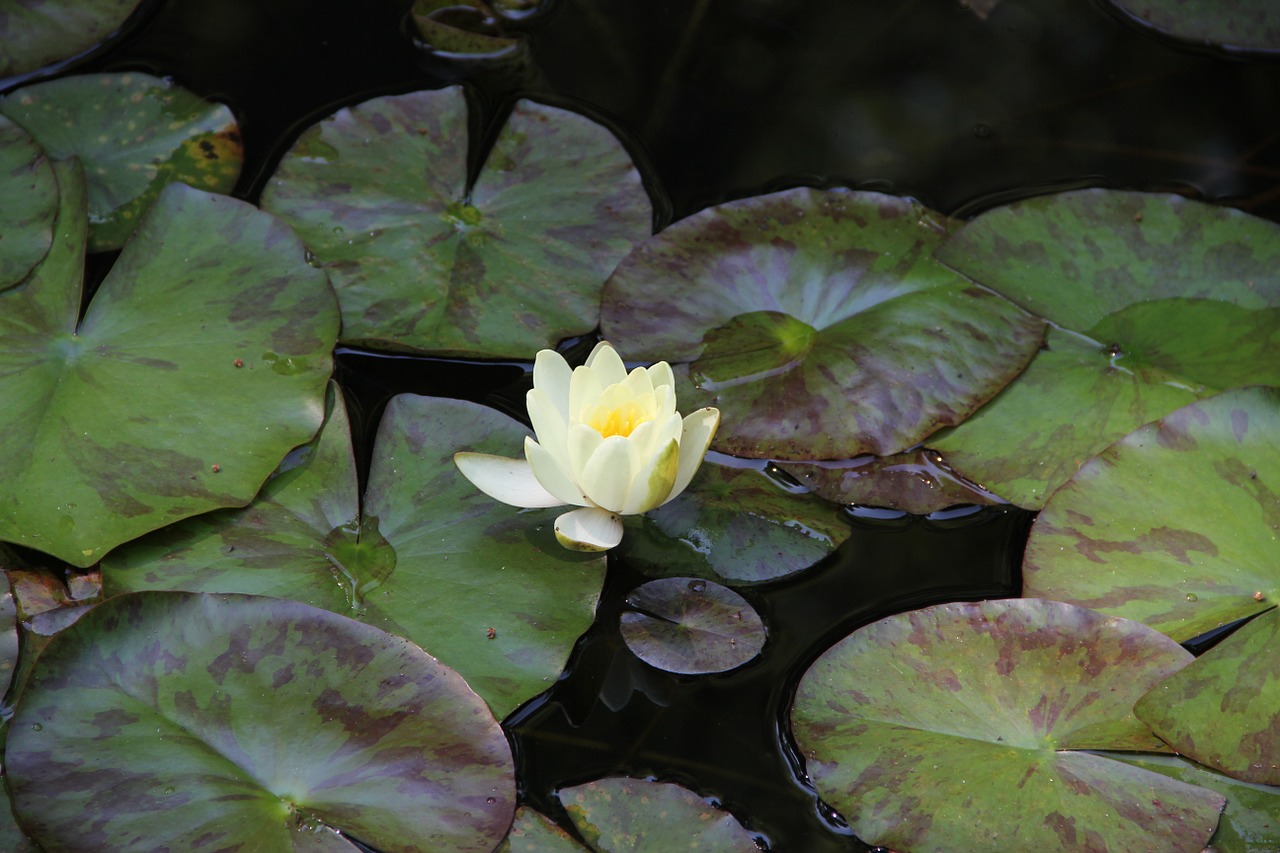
(1026, 244)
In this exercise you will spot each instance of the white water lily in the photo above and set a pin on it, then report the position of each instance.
(608, 441)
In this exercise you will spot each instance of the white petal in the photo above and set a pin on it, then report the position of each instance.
(698, 429)
(605, 362)
(660, 374)
(652, 483)
(584, 392)
(548, 423)
(664, 400)
(607, 476)
(552, 475)
(551, 375)
(508, 480)
(638, 382)
(582, 442)
(589, 529)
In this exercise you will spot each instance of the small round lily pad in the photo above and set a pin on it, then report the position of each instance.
(690, 625)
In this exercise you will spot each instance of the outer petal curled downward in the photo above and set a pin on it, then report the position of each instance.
(508, 480)
(589, 529)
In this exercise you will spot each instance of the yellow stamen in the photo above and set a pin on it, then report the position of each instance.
(620, 420)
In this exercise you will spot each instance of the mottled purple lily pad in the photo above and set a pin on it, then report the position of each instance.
(957, 727)
(618, 815)
(533, 833)
(30, 192)
(1175, 524)
(1249, 25)
(918, 481)
(422, 261)
(690, 625)
(133, 417)
(1224, 709)
(135, 134)
(143, 726)
(39, 32)
(733, 524)
(8, 633)
(1157, 301)
(818, 322)
(429, 558)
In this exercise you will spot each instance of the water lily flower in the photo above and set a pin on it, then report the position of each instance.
(608, 441)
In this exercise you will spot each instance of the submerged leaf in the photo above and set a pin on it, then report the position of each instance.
(690, 625)
(619, 815)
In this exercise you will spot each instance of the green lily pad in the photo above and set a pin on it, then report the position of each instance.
(817, 322)
(690, 626)
(421, 261)
(618, 815)
(733, 524)
(461, 27)
(135, 417)
(917, 481)
(533, 833)
(144, 726)
(1234, 24)
(1157, 300)
(1175, 524)
(1223, 710)
(135, 134)
(955, 728)
(30, 192)
(38, 32)
(429, 558)
(1251, 821)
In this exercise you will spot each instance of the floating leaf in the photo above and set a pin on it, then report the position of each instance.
(817, 322)
(135, 134)
(430, 558)
(619, 815)
(735, 524)
(1234, 24)
(509, 267)
(533, 833)
(690, 625)
(38, 32)
(8, 634)
(134, 418)
(917, 481)
(1223, 710)
(1157, 300)
(144, 725)
(1175, 524)
(949, 728)
(30, 192)
(462, 27)
(1251, 821)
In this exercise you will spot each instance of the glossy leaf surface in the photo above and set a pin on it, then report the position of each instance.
(919, 482)
(817, 322)
(143, 727)
(30, 191)
(431, 558)
(1223, 710)
(619, 815)
(690, 625)
(421, 261)
(1175, 524)
(1158, 301)
(135, 134)
(133, 417)
(954, 727)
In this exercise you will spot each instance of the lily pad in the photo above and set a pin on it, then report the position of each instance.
(135, 417)
(429, 557)
(690, 626)
(733, 524)
(533, 833)
(8, 634)
(38, 32)
(143, 726)
(1234, 24)
(422, 261)
(917, 481)
(1157, 301)
(462, 28)
(30, 191)
(1224, 709)
(618, 815)
(135, 134)
(818, 322)
(1175, 524)
(955, 728)
(1251, 821)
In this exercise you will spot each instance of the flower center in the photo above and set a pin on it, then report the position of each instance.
(620, 419)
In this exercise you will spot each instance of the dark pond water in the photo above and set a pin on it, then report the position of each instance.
(719, 99)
